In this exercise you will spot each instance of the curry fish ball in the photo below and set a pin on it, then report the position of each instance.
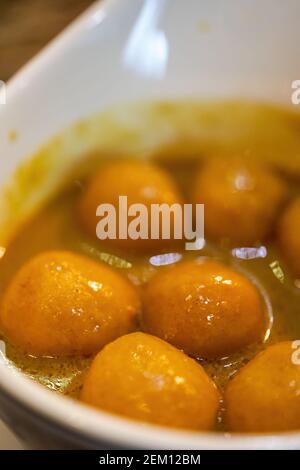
(144, 378)
(61, 304)
(241, 199)
(265, 394)
(289, 235)
(142, 183)
(204, 308)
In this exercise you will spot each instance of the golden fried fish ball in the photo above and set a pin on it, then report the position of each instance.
(289, 235)
(241, 200)
(61, 304)
(204, 308)
(144, 378)
(142, 183)
(265, 394)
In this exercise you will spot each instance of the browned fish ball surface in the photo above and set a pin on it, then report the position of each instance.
(143, 183)
(142, 377)
(265, 394)
(63, 304)
(241, 199)
(205, 308)
(289, 236)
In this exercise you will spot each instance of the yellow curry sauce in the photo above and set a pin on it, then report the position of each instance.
(56, 226)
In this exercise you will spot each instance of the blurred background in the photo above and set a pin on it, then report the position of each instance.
(27, 25)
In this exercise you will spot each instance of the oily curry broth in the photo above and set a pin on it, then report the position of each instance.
(56, 227)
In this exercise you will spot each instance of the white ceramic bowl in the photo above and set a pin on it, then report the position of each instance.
(129, 50)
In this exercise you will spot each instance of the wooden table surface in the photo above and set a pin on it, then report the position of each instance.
(27, 25)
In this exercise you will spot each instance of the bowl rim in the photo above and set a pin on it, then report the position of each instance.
(85, 425)
(79, 422)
